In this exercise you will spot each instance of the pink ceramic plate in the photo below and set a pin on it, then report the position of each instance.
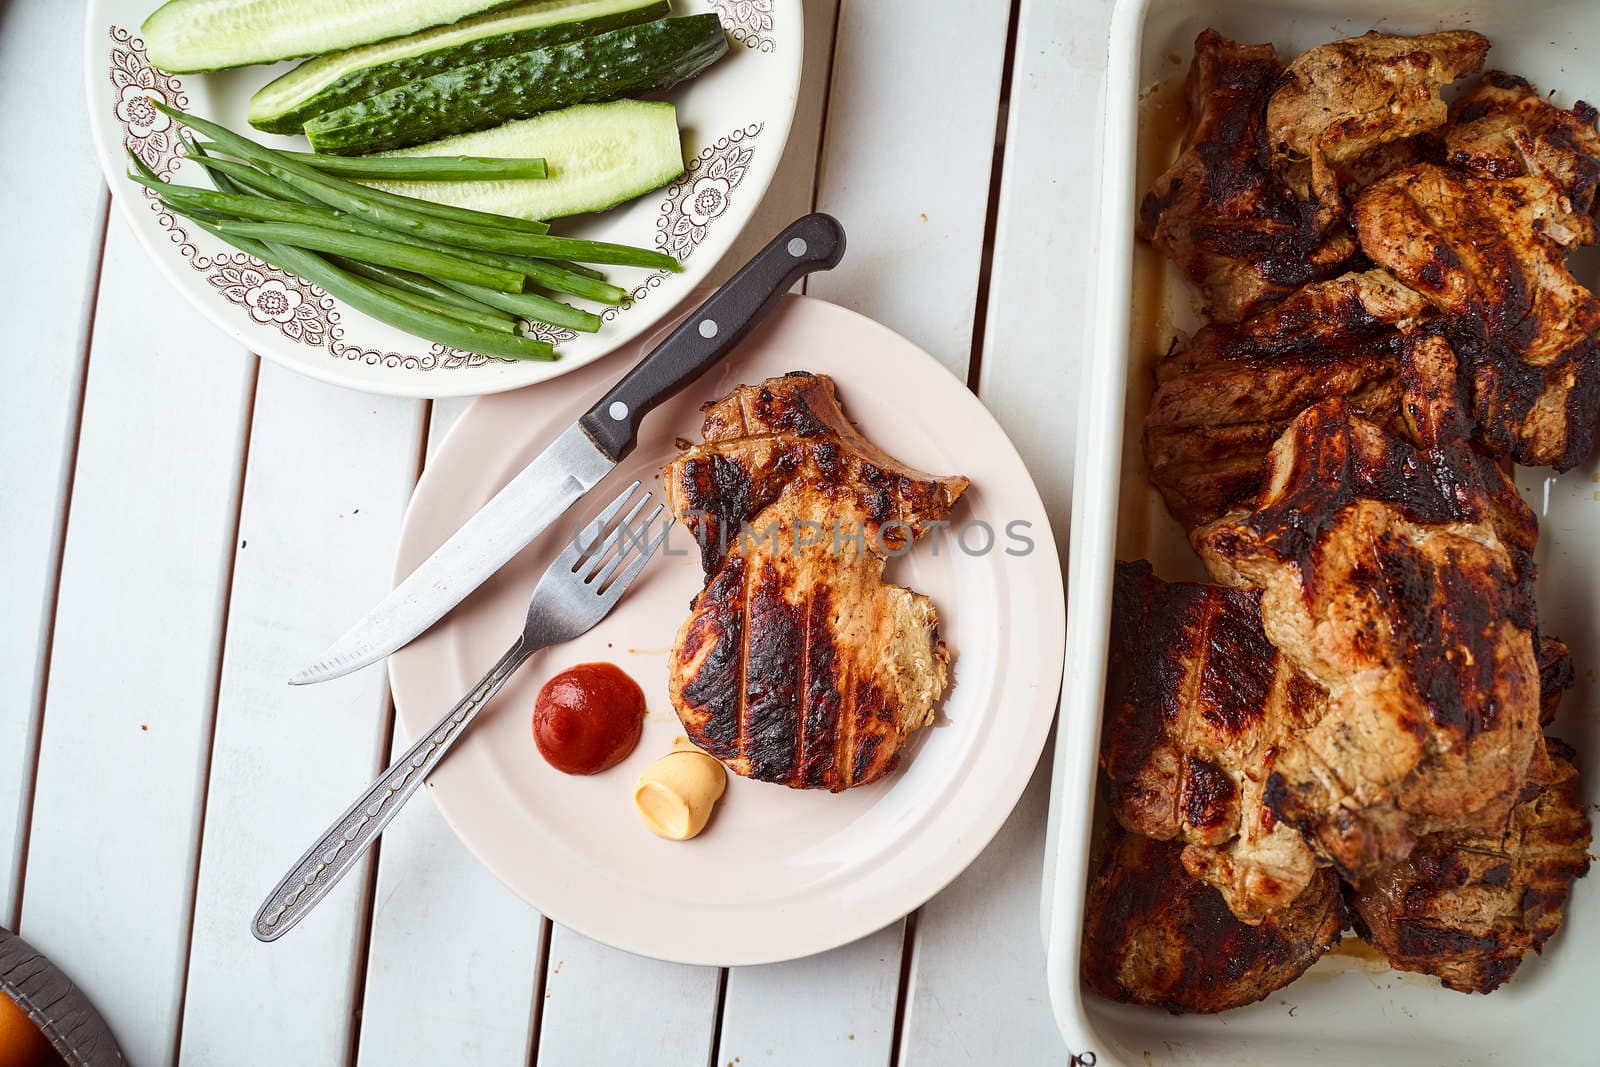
(779, 873)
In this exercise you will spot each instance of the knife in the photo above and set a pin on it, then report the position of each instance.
(585, 452)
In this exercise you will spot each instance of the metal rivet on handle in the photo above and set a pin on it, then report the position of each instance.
(708, 329)
(618, 410)
(797, 247)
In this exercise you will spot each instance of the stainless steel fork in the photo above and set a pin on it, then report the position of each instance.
(576, 592)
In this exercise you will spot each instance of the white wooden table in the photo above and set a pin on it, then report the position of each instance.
(181, 524)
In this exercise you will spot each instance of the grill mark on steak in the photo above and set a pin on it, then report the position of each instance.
(1467, 906)
(1210, 799)
(1155, 935)
(719, 684)
(773, 679)
(1231, 679)
(824, 709)
(760, 438)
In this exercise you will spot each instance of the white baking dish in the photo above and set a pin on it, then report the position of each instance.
(1349, 1009)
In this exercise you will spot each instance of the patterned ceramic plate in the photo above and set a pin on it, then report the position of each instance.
(735, 119)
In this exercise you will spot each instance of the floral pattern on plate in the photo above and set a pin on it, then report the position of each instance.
(702, 195)
(748, 21)
(695, 200)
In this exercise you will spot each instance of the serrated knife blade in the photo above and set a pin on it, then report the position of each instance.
(584, 453)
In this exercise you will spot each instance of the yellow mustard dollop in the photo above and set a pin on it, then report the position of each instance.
(676, 793)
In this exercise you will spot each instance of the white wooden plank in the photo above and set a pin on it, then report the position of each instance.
(977, 993)
(453, 965)
(605, 1006)
(48, 273)
(793, 189)
(835, 1008)
(441, 418)
(905, 165)
(327, 481)
(1044, 259)
(132, 681)
(669, 1010)
(912, 263)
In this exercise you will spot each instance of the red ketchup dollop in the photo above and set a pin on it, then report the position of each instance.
(588, 718)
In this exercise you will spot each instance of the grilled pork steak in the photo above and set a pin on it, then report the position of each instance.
(1490, 256)
(1369, 690)
(1230, 223)
(798, 664)
(1503, 128)
(1224, 398)
(1383, 578)
(1342, 100)
(1197, 702)
(1154, 935)
(761, 437)
(1468, 906)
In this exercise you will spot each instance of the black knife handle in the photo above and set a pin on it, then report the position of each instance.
(815, 242)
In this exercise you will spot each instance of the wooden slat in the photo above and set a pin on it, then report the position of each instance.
(670, 1010)
(47, 274)
(605, 1006)
(453, 965)
(794, 186)
(453, 968)
(977, 992)
(905, 165)
(1044, 256)
(132, 681)
(835, 1008)
(329, 474)
(919, 277)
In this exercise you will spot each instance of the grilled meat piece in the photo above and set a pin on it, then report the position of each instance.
(1556, 676)
(761, 437)
(1154, 935)
(1467, 907)
(1233, 226)
(1384, 579)
(798, 664)
(1197, 702)
(1339, 101)
(1490, 256)
(1224, 398)
(1503, 128)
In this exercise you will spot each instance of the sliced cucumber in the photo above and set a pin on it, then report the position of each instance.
(332, 81)
(191, 35)
(598, 155)
(625, 62)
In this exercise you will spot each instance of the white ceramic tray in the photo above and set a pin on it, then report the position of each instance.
(1349, 1009)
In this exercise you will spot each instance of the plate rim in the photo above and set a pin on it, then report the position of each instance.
(958, 853)
(502, 377)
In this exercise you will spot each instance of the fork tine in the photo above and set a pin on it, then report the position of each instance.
(634, 541)
(580, 545)
(618, 587)
(624, 527)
